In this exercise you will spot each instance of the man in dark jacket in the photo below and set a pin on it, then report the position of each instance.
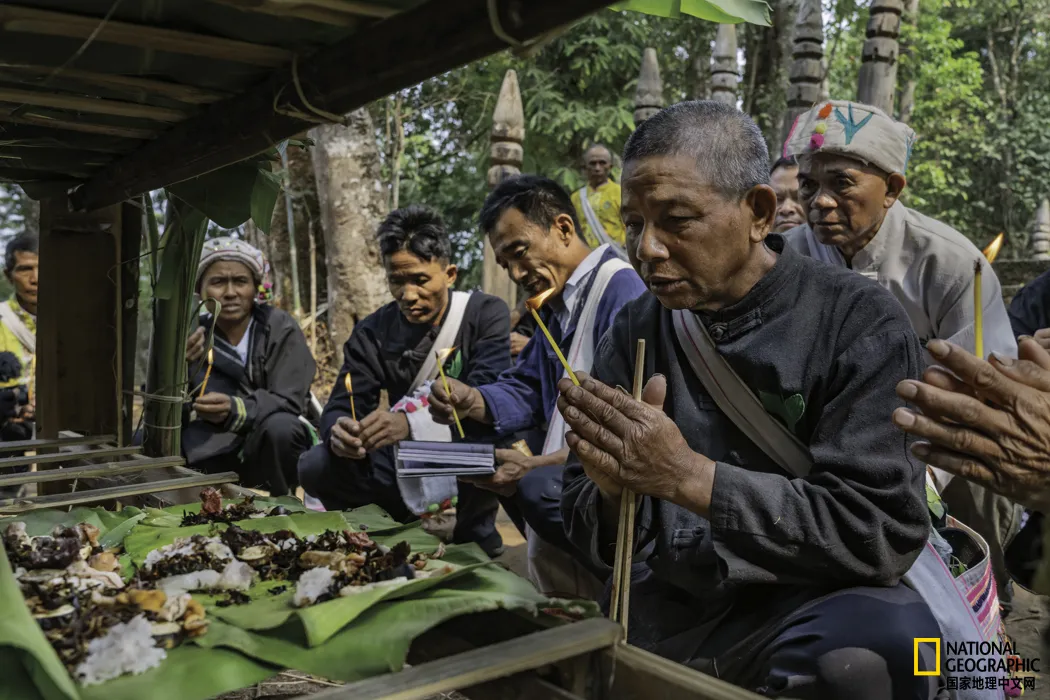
(245, 413)
(395, 349)
(1030, 310)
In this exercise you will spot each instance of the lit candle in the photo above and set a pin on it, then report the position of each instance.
(990, 254)
(534, 305)
(441, 356)
(207, 372)
(350, 390)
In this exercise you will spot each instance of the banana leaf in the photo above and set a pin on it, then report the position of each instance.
(721, 11)
(113, 526)
(172, 515)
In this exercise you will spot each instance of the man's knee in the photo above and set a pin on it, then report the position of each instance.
(282, 427)
(312, 467)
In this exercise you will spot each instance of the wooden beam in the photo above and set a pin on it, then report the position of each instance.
(61, 160)
(37, 445)
(29, 119)
(484, 664)
(281, 9)
(639, 675)
(59, 457)
(401, 51)
(91, 105)
(46, 23)
(352, 7)
(12, 174)
(14, 506)
(88, 470)
(131, 85)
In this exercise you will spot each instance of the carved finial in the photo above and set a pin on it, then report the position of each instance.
(806, 75)
(649, 97)
(725, 69)
(508, 132)
(878, 68)
(1040, 241)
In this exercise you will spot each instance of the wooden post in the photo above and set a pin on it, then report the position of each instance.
(725, 69)
(649, 97)
(807, 63)
(507, 154)
(878, 68)
(907, 103)
(1040, 241)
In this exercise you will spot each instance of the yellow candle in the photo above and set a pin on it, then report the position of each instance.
(207, 372)
(350, 390)
(534, 304)
(978, 312)
(441, 355)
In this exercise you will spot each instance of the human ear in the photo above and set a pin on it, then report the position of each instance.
(895, 184)
(761, 203)
(451, 272)
(566, 229)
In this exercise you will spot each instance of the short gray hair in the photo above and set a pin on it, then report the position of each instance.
(727, 145)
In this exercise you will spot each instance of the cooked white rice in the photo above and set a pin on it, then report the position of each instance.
(126, 648)
(184, 546)
(312, 585)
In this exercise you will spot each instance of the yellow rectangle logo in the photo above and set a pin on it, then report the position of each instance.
(936, 642)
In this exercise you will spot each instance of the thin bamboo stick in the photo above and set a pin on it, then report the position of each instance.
(621, 600)
(313, 290)
(13, 506)
(91, 105)
(25, 445)
(59, 457)
(90, 470)
(190, 94)
(46, 23)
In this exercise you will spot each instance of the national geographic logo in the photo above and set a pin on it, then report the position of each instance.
(975, 665)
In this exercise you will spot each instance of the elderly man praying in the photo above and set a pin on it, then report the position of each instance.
(777, 507)
(852, 161)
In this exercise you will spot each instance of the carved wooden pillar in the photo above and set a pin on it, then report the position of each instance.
(1040, 241)
(878, 68)
(649, 97)
(725, 69)
(806, 74)
(508, 133)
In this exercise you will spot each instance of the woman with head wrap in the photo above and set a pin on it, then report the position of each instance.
(246, 419)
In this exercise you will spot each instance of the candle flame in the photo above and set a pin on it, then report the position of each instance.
(443, 355)
(211, 355)
(992, 251)
(349, 384)
(537, 301)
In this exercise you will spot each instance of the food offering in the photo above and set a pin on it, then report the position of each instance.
(213, 511)
(99, 627)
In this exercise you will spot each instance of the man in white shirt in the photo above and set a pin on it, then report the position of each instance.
(852, 159)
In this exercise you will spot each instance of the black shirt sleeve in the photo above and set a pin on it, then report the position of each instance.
(1030, 309)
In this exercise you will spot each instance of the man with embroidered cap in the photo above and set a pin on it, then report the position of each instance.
(852, 164)
(778, 509)
(245, 412)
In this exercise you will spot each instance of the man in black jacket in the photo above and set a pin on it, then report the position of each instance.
(245, 413)
(394, 349)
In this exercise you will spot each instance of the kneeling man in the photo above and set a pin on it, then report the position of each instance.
(777, 573)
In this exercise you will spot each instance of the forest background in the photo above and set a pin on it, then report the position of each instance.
(974, 82)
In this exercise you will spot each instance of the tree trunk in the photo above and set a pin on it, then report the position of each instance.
(306, 218)
(768, 57)
(350, 193)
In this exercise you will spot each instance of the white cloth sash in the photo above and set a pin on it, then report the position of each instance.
(596, 224)
(581, 354)
(14, 324)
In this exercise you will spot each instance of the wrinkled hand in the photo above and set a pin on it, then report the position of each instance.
(468, 401)
(382, 428)
(626, 443)
(213, 407)
(1042, 336)
(195, 346)
(27, 413)
(989, 423)
(513, 465)
(345, 440)
(518, 343)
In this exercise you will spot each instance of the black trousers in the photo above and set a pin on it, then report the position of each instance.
(270, 456)
(349, 483)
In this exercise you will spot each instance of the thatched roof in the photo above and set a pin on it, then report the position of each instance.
(105, 99)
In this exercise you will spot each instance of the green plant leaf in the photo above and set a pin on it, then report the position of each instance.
(720, 11)
(264, 198)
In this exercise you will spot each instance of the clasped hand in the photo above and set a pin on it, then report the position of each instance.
(354, 439)
(623, 443)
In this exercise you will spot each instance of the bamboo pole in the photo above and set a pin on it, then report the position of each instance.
(90, 470)
(25, 445)
(277, 8)
(59, 457)
(190, 94)
(7, 116)
(91, 105)
(47, 23)
(313, 290)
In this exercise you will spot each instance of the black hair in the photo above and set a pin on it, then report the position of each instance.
(785, 162)
(22, 243)
(419, 230)
(540, 199)
(726, 143)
